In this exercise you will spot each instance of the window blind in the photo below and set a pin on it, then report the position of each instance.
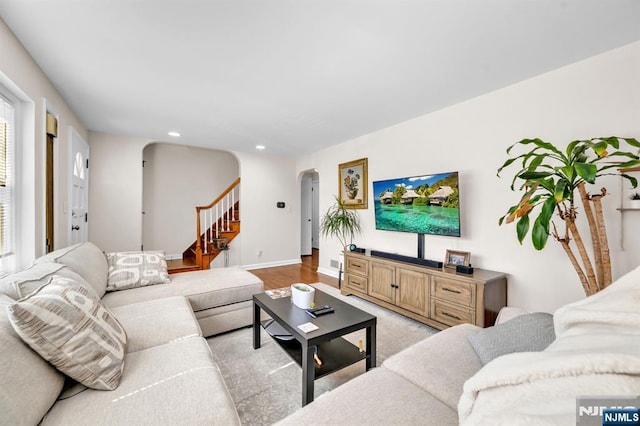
(7, 182)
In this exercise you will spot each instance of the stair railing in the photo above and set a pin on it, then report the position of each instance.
(215, 218)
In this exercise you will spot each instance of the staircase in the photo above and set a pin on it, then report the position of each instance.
(217, 224)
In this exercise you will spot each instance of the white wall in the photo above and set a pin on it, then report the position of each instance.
(176, 179)
(115, 191)
(266, 180)
(17, 69)
(599, 96)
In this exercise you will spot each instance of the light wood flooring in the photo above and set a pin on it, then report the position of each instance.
(284, 276)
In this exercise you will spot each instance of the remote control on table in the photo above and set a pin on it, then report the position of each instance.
(315, 312)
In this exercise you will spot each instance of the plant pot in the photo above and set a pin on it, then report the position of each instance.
(302, 295)
(634, 204)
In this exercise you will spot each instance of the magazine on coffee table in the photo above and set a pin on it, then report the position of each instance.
(277, 293)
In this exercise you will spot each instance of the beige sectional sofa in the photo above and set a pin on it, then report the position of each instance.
(168, 377)
(462, 375)
(418, 386)
(443, 381)
(220, 298)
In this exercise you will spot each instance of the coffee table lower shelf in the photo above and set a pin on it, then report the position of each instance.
(335, 354)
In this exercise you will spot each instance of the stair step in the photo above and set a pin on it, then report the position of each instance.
(185, 269)
(181, 265)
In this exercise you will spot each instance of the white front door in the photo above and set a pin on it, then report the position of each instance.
(79, 182)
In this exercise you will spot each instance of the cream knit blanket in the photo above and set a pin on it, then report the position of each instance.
(596, 352)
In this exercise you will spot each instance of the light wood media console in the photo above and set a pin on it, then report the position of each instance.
(440, 298)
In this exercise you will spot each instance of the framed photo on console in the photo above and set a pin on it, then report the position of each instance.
(353, 184)
(455, 258)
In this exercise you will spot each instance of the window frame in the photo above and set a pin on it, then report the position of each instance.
(8, 193)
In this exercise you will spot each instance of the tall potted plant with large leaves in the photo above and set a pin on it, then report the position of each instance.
(340, 222)
(549, 179)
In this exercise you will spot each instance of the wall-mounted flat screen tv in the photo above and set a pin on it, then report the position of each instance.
(427, 204)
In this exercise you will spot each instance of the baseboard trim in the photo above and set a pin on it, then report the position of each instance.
(173, 256)
(271, 264)
(328, 271)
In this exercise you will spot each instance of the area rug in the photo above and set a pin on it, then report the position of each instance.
(266, 385)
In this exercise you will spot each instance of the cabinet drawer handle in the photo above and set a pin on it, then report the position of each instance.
(355, 265)
(447, 314)
(451, 290)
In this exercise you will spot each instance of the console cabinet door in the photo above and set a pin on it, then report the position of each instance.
(381, 280)
(413, 291)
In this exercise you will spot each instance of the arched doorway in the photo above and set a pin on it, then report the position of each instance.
(309, 213)
(176, 178)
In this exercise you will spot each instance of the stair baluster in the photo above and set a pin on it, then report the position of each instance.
(219, 220)
(205, 249)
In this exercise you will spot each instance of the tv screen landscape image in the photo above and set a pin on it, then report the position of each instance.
(427, 204)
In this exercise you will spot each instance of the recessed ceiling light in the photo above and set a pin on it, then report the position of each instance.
(174, 134)
(260, 147)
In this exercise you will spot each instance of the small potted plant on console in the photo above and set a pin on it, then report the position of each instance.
(635, 200)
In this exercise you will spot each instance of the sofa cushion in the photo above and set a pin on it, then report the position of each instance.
(28, 384)
(157, 322)
(25, 282)
(86, 259)
(205, 289)
(68, 326)
(447, 351)
(133, 269)
(524, 333)
(225, 318)
(378, 397)
(177, 383)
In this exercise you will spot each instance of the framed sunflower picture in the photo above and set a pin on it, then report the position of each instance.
(353, 184)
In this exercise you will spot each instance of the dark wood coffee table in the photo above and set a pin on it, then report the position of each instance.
(334, 351)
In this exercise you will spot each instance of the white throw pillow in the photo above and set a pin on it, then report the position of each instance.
(67, 325)
(136, 269)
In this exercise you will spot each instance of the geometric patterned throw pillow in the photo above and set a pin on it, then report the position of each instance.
(68, 326)
(136, 269)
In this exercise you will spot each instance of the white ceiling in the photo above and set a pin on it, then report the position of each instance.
(298, 75)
